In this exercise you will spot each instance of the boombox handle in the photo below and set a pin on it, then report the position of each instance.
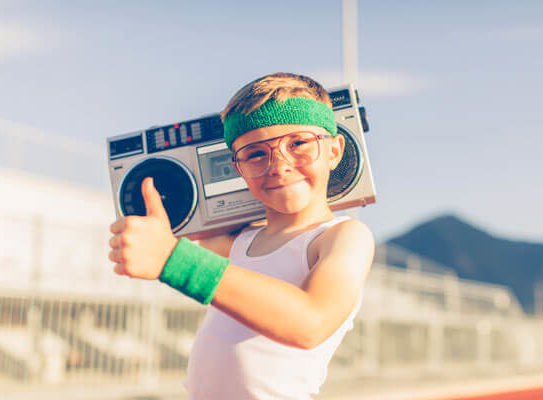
(362, 111)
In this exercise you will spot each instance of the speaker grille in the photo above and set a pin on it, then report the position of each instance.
(173, 181)
(348, 172)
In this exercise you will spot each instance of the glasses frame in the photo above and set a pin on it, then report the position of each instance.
(235, 161)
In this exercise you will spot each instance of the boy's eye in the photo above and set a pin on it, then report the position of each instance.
(253, 155)
(256, 154)
(298, 142)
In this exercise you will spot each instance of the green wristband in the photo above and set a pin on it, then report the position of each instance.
(194, 271)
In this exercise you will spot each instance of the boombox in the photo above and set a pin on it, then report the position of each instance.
(202, 192)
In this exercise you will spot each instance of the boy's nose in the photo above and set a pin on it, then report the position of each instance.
(278, 163)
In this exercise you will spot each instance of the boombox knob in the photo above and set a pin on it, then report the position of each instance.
(363, 119)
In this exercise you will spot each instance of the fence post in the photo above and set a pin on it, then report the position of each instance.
(484, 347)
(152, 321)
(371, 345)
(34, 316)
(435, 343)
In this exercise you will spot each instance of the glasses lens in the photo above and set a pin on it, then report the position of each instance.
(253, 160)
(301, 148)
(298, 149)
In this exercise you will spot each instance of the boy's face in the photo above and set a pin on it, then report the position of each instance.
(286, 188)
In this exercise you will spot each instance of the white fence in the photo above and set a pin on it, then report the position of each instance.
(46, 338)
(54, 338)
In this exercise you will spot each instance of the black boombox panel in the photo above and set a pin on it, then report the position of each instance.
(201, 191)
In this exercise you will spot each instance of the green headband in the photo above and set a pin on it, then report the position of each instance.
(295, 110)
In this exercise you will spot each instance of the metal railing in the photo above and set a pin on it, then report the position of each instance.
(53, 338)
(61, 338)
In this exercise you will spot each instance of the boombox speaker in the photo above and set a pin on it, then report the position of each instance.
(201, 191)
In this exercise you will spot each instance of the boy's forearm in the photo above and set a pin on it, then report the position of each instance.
(273, 308)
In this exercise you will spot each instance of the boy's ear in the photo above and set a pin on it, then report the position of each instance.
(337, 145)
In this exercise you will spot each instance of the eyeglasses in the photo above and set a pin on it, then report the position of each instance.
(296, 148)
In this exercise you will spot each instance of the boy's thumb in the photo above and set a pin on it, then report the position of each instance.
(152, 199)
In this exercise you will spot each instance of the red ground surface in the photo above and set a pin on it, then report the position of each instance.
(526, 394)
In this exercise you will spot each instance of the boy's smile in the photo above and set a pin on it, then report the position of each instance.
(280, 185)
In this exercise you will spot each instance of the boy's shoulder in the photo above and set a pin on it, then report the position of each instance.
(350, 233)
(349, 226)
(347, 244)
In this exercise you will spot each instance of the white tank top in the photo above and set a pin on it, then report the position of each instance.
(231, 361)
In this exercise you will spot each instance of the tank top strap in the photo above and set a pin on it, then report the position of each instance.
(243, 241)
(309, 236)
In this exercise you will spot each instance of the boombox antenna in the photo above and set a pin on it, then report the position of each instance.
(350, 41)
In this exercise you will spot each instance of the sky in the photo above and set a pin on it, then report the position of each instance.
(452, 90)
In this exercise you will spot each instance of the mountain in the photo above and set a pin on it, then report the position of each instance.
(477, 255)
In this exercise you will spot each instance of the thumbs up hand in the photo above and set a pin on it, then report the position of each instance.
(142, 245)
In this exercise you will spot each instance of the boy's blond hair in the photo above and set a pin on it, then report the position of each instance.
(278, 86)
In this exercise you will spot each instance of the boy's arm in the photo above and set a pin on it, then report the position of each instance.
(303, 317)
(220, 244)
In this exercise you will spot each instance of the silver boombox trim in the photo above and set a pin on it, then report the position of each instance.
(201, 191)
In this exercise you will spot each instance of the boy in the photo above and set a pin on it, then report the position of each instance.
(285, 294)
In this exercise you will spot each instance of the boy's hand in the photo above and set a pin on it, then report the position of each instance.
(142, 245)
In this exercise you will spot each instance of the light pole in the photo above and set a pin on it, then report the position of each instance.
(350, 55)
(350, 41)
